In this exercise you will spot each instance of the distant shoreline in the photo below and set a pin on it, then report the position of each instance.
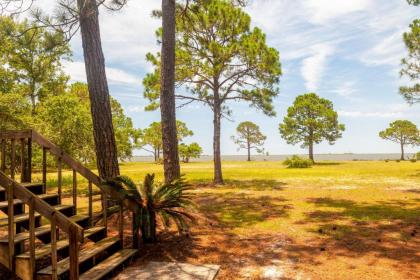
(320, 157)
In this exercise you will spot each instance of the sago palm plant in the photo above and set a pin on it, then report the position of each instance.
(167, 202)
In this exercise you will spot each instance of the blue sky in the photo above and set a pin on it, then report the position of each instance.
(346, 51)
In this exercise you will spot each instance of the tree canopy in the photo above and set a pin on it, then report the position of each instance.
(403, 132)
(31, 57)
(151, 137)
(411, 63)
(219, 58)
(187, 152)
(414, 2)
(310, 121)
(249, 137)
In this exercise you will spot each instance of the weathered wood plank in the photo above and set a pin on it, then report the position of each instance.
(23, 236)
(90, 210)
(11, 225)
(44, 168)
(75, 191)
(45, 249)
(85, 254)
(3, 155)
(32, 235)
(108, 265)
(29, 167)
(53, 250)
(22, 160)
(12, 158)
(15, 134)
(59, 177)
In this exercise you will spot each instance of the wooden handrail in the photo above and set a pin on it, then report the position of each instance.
(78, 167)
(42, 207)
(67, 159)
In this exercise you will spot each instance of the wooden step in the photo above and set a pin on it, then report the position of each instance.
(108, 265)
(20, 237)
(25, 217)
(36, 188)
(50, 198)
(61, 244)
(84, 255)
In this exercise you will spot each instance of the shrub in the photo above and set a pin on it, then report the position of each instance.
(413, 160)
(298, 162)
(167, 202)
(387, 160)
(397, 160)
(418, 156)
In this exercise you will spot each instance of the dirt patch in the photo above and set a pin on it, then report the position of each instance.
(277, 256)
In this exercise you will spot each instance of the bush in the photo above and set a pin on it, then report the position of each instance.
(298, 162)
(397, 160)
(418, 156)
(387, 160)
(413, 160)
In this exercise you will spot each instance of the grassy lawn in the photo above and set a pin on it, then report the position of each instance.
(344, 220)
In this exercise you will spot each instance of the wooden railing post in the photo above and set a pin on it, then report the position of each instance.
(53, 249)
(75, 191)
(44, 169)
(32, 235)
(29, 161)
(74, 255)
(22, 160)
(11, 226)
(59, 178)
(3, 155)
(13, 158)
(90, 209)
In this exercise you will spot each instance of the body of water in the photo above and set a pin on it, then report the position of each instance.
(319, 157)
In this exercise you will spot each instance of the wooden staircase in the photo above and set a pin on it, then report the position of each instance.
(44, 238)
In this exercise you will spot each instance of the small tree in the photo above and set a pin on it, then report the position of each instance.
(309, 121)
(403, 132)
(249, 137)
(186, 152)
(151, 137)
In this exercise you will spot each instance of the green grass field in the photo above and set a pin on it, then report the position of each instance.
(266, 196)
(351, 209)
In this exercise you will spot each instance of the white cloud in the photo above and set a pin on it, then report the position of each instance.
(323, 11)
(115, 76)
(360, 114)
(346, 89)
(135, 109)
(387, 111)
(314, 66)
(388, 51)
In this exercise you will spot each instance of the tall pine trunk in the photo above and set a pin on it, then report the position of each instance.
(218, 178)
(311, 151)
(402, 151)
(103, 130)
(167, 93)
(249, 150)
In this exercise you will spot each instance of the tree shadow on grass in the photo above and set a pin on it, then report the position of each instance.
(212, 242)
(255, 185)
(239, 209)
(389, 229)
(326, 163)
